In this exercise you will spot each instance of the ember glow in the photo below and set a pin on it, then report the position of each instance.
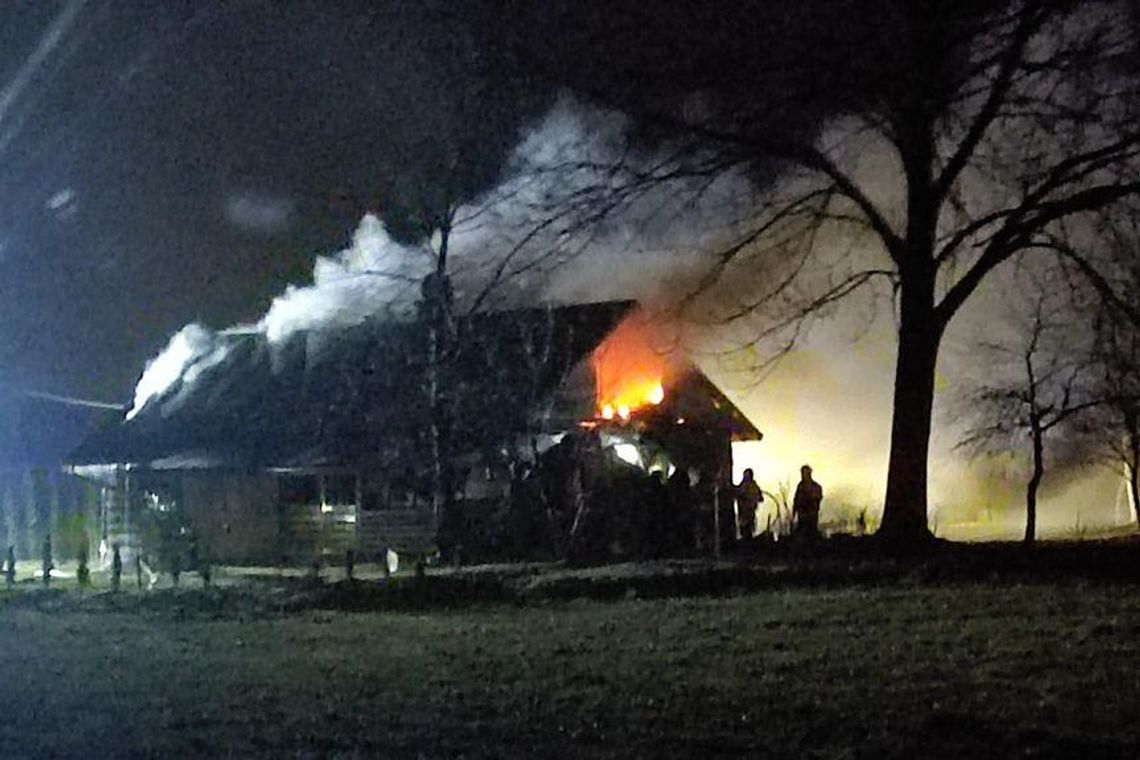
(631, 369)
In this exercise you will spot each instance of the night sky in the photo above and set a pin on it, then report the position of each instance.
(164, 162)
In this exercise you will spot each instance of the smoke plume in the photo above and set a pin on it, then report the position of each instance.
(583, 214)
(580, 216)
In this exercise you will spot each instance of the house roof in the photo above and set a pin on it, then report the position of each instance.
(356, 395)
(696, 398)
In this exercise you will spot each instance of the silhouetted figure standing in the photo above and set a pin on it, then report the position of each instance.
(805, 505)
(10, 567)
(748, 498)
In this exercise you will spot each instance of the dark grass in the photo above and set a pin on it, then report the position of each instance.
(989, 656)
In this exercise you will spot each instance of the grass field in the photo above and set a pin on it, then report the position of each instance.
(899, 670)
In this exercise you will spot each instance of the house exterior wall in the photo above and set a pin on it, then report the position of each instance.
(263, 516)
(234, 515)
(299, 514)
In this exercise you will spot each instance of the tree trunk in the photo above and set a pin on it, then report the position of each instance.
(904, 527)
(437, 313)
(1133, 466)
(435, 430)
(1034, 484)
(1134, 483)
(904, 512)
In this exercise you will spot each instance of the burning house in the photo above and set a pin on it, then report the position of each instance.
(266, 452)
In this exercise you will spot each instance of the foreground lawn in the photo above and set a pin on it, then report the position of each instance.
(902, 671)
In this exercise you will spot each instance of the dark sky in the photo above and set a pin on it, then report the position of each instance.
(168, 161)
(163, 161)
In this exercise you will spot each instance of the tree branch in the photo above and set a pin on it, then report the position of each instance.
(1017, 235)
(811, 158)
(1029, 23)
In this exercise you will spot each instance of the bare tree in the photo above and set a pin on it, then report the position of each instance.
(1045, 383)
(1120, 414)
(1006, 123)
(1112, 431)
(421, 199)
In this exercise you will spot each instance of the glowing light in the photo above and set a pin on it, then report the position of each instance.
(623, 411)
(656, 394)
(628, 453)
(608, 412)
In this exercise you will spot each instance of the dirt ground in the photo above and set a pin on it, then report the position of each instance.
(903, 669)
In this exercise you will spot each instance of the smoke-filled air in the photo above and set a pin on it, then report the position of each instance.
(575, 221)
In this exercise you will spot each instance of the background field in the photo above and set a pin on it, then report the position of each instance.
(902, 669)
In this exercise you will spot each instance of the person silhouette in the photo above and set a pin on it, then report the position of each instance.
(805, 505)
(748, 498)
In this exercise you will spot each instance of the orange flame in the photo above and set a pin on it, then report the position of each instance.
(629, 372)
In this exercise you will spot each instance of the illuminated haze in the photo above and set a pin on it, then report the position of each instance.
(827, 402)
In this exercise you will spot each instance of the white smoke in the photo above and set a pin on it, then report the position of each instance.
(183, 358)
(585, 213)
(550, 232)
(375, 274)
